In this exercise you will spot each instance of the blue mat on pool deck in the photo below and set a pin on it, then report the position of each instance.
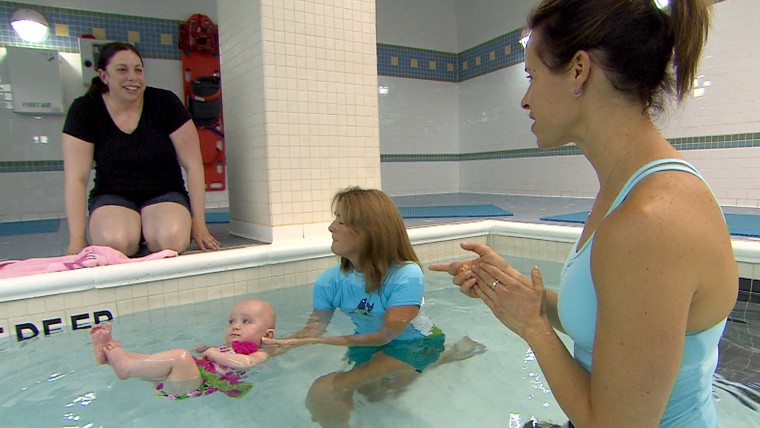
(568, 218)
(441, 211)
(28, 227)
(738, 224)
(743, 224)
(217, 217)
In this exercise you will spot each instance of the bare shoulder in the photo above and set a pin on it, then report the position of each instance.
(671, 207)
(669, 239)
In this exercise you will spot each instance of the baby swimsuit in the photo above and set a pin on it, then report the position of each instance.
(228, 381)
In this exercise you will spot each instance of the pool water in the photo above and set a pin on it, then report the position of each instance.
(54, 381)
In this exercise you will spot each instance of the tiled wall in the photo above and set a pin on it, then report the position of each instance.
(451, 120)
(718, 131)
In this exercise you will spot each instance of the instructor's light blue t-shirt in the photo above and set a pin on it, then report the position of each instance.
(403, 286)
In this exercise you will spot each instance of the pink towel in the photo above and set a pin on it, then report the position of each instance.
(89, 257)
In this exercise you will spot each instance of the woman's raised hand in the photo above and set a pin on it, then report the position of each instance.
(462, 272)
(518, 301)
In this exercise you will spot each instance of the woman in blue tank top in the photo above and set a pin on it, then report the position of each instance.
(646, 290)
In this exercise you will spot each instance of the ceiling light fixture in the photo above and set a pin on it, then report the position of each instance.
(30, 25)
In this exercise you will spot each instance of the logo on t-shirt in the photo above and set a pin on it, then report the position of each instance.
(364, 307)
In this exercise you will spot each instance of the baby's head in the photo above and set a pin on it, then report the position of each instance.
(250, 320)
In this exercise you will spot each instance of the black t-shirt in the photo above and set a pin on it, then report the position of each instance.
(140, 165)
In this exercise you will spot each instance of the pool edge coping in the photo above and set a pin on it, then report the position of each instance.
(103, 277)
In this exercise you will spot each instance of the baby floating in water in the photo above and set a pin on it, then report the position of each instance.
(179, 374)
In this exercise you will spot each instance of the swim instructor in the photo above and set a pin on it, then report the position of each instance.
(647, 288)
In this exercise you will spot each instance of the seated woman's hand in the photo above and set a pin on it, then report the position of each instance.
(204, 239)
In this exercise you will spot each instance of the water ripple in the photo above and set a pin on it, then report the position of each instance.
(83, 400)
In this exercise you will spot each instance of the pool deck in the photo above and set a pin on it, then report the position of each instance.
(527, 209)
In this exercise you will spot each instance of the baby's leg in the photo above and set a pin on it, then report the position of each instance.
(173, 365)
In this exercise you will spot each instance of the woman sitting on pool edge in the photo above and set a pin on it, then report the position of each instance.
(140, 139)
(379, 285)
(180, 375)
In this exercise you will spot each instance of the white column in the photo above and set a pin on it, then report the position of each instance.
(299, 82)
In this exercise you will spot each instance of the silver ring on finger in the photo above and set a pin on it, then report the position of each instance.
(495, 283)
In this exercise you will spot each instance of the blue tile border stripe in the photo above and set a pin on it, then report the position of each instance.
(401, 61)
(31, 166)
(495, 54)
(501, 52)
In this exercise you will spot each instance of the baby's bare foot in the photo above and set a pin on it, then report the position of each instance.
(101, 338)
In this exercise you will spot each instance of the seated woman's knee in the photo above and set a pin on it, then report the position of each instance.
(118, 241)
(168, 239)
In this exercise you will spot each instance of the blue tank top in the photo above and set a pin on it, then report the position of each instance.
(690, 403)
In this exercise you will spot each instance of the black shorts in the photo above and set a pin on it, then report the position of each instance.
(98, 201)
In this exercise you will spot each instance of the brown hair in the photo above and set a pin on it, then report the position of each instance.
(107, 52)
(633, 41)
(383, 240)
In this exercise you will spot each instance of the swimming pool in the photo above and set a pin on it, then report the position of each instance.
(184, 301)
(54, 381)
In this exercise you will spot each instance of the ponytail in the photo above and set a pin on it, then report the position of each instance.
(97, 87)
(645, 52)
(690, 22)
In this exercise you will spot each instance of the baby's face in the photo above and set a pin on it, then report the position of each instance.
(247, 324)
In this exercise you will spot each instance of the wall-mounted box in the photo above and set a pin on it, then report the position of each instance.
(89, 50)
(35, 78)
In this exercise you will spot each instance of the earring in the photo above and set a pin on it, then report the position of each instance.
(577, 94)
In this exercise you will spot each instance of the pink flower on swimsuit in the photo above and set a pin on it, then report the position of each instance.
(246, 348)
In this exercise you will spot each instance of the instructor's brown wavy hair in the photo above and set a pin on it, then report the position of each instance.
(383, 240)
